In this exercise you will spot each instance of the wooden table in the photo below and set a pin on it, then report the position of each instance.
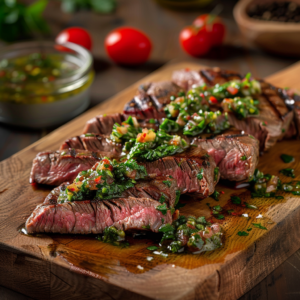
(162, 25)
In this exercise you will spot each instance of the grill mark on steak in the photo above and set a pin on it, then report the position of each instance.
(94, 143)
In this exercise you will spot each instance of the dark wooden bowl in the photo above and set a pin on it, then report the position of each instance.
(278, 37)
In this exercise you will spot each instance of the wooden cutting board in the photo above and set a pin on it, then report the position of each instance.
(69, 266)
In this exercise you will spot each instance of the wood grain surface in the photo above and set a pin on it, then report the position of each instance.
(58, 266)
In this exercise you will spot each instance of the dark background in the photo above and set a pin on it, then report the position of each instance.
(162, 25)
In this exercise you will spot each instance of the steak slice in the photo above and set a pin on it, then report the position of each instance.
(151, 99)
(103, 124)
(95, 143)
(184, 168)
(275, 119)
(85, 217)
(56, 167)
(236, 155)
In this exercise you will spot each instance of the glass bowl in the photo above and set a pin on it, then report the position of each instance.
(32, 97)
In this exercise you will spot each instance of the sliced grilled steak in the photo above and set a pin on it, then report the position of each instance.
(56, 167)
(275, 118)
(187, 78)
(84, 217)
(95, 125)
(93, 142)
(236, 155)
(150, 100)
(184, 168)
(103, 124)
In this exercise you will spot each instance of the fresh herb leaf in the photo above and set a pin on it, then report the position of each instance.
(177, 193)
(146, 227)
(249, 229)
(258, 225)
(152, 248)
(279, 197)
(216, 173)
(152, 121)
(162, 208)
(297, 193)
(250, 206)
(236, 200)
(219, 217)
(230, 211)
(289, 172)
(200, 174)
(215, 195)
(244, 157)
(286, 158)
(162, 198)
(243, 233)
(167, 183)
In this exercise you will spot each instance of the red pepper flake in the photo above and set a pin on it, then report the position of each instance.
(234, 214)
(222, 192)
(213, 99)
(188, 117)
(2, 73)
(187, 69)
(98, 179)
(191, 226)
(44, 98)
(51, 78)
(106, 161)
(232, 90)
(71, 189)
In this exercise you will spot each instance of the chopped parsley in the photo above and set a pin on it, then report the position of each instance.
(162, 208)
(162, 198)
(286, 158)
(216, 173)
(215, 195)
(258, 225)
(152, 248)
(236, 200)
(152, 121)
(146, 227)
(243, 157)
(200, 174)
(243, 233)
(167, 183)
(249, 229)
(289, 172)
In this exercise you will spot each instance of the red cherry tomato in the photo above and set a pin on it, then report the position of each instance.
(75, 35)
(214, 26)
(128, 46)
(195, 41)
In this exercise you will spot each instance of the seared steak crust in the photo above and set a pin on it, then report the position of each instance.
(85, 217)
(93, 142)
(103, 124)
(150, 100)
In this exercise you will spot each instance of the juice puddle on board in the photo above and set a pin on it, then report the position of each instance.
(87, 253)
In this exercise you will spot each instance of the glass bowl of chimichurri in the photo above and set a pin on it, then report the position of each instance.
(43, 84)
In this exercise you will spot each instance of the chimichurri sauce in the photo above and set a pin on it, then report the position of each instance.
(30, 79)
